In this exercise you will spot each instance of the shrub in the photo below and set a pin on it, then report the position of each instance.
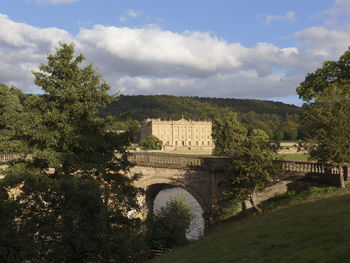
(166, 228)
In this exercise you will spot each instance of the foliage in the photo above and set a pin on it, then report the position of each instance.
(331, 72)
(258, 133)
(253, 168)
(9, 107)
(253, 157)
(227, 134)
(253, 114)
(167, 227)
(326, 121)
(13, 247)
(75, 195)
(151, 142)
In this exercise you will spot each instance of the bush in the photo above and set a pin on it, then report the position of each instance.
(166, 228)
(151, 143)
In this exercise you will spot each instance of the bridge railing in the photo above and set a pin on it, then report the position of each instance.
(5, 157)
(210, 162)
(309, 167)
(217, 162)
(176, 160)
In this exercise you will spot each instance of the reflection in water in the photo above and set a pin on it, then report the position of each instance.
(196, 228)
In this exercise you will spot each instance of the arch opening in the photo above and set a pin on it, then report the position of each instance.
(163, 192)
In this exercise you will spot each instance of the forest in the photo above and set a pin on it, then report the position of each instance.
(277, 119)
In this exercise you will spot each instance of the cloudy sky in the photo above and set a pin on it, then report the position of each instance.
(223, 48)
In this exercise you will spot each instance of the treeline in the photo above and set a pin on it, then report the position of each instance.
(278, 120)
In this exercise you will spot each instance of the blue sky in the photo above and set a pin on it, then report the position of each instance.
(223, 48)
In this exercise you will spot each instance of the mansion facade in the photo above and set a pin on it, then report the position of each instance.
(180, 135)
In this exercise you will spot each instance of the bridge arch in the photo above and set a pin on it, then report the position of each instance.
(195, 182)
(153, 187)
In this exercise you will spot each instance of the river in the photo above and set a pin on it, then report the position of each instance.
(196, 228)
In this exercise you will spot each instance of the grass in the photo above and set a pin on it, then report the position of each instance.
(294, 156)
(313, 226)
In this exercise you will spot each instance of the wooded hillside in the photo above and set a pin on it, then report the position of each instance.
(278, 120)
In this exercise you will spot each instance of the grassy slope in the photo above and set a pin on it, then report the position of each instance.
(311, 227)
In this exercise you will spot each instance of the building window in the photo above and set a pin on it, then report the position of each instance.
(189, 142)
(208, 143)
(175, 142)
(202, 142)
(196, 142)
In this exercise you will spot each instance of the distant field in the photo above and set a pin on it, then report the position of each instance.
(294, 156)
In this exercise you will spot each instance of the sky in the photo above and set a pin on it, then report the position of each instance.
(223, 48)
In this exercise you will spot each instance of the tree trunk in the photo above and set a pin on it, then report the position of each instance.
(341, 176)
(257, 208)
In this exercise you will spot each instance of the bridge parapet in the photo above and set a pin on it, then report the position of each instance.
(309, 167)
(5, 157)
(183, 161)
(178, 161)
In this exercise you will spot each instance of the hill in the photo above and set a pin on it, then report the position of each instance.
(141, 107)
(279, 120)
(312, 228)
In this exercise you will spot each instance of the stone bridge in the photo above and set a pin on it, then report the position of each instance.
(201, 176)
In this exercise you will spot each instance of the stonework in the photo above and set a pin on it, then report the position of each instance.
(180, 135)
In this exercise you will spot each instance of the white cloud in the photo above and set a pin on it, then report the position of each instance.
(331, 16)
(133, 13)
(151, 60)
(23, 48)
(328, 43)
(122, 19)
(289, 17)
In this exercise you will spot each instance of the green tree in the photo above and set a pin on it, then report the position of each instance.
(252, 169)
(252, 166)
(151, 142)
(10, 106)
(331, 72)
(325, 121)
(167, 227)
(227, 134)
(75, 194)
(258, 133)
(13, 247)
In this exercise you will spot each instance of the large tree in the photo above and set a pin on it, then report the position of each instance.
(227, 134)
(75, 195)
(253, 167)
(326, 112)
(252, 163)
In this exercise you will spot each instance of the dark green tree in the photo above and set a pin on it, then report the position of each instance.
(167, 227)
(227, 134)
(325, 121)
(75, 193)
(10, 107)
(331, 72)
(252, 166)
(258, 133)
(151, 142)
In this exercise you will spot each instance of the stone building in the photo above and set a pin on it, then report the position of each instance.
(181, 135)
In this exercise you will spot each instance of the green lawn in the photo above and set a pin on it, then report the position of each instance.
(310, 227)
(294, 156)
